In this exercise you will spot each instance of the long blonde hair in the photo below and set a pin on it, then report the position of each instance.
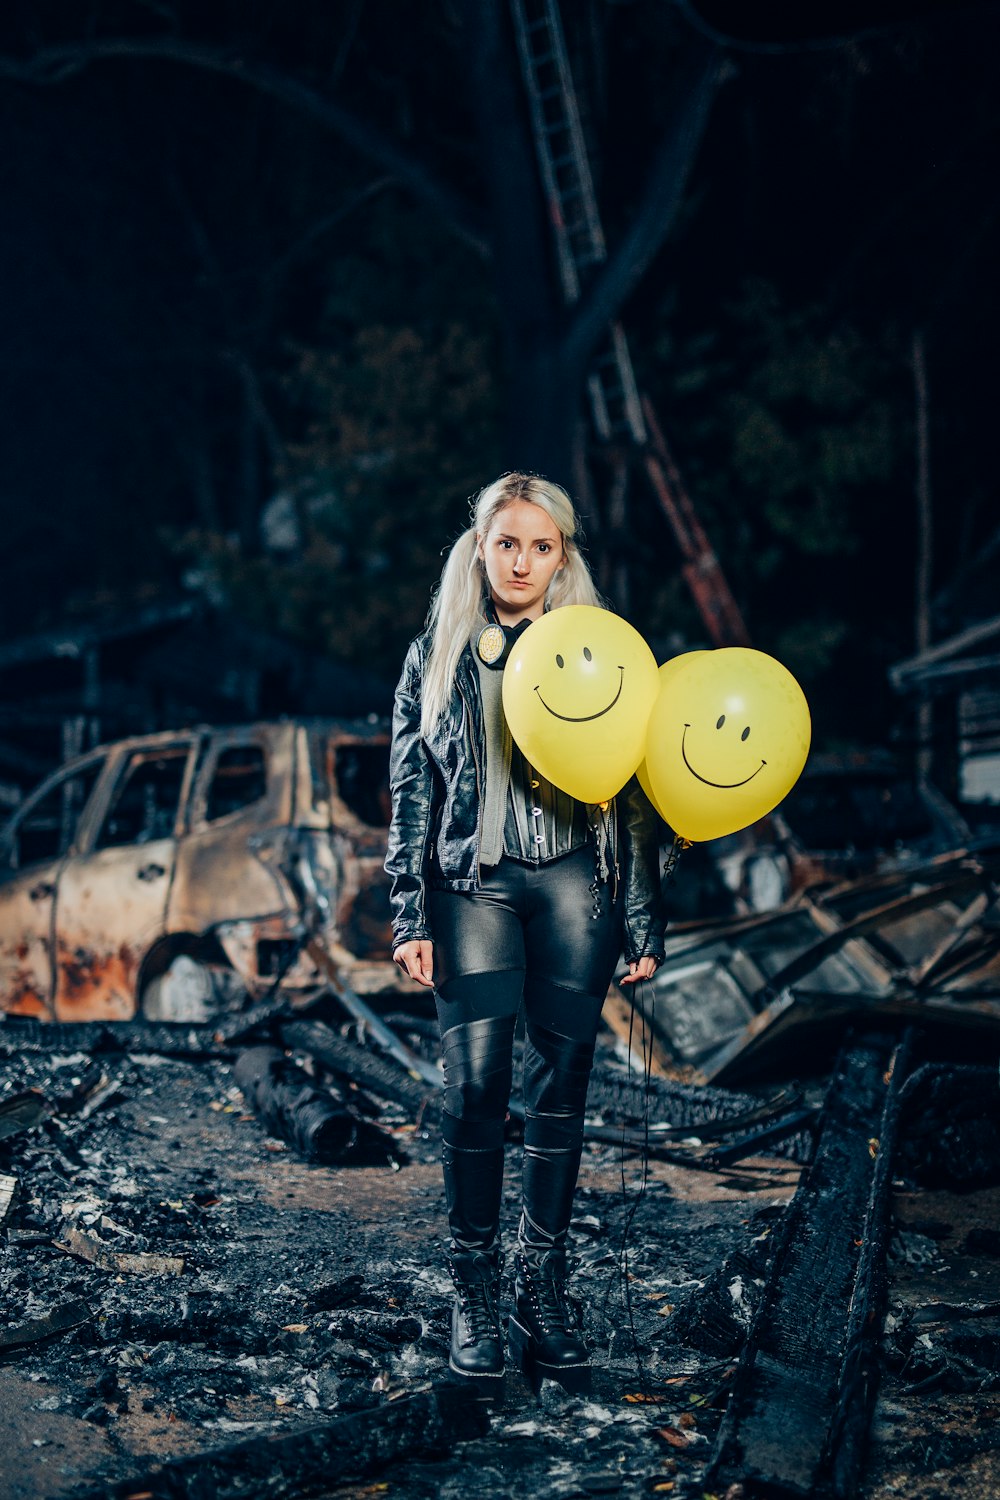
(459, 597)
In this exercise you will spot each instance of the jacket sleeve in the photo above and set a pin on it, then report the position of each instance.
(639, 832)
(411, 779)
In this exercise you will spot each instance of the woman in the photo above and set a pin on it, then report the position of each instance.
(506, 889)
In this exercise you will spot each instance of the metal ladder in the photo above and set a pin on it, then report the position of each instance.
(617, 410)
(572, 205)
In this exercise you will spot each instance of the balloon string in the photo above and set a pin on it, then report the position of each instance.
(676, 850)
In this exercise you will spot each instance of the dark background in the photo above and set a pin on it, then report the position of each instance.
(291, 249)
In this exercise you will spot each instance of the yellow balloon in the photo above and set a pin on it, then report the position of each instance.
(727, 740)
(666, 671)
(578, 688)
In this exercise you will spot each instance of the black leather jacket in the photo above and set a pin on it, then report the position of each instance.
(436, 803)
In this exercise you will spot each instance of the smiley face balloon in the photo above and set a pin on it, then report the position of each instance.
(667, 671)
(728, 738)
(578, 688)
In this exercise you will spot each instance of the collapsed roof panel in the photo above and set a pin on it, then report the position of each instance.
(775, 992)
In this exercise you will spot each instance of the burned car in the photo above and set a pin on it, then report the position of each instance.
(180, 872)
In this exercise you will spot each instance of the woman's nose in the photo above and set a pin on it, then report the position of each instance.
(521, 563)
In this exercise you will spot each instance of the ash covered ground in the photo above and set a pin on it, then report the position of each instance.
(290, 1294)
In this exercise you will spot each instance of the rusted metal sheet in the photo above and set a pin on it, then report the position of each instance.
(203, 845)
(26, 915)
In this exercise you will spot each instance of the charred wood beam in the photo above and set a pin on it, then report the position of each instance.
(260, 1018)
(859, 1370)
(381, 1034)
(696, 1158)
(187, 1319)
(314, 1121)
(713, 1129)
(59, 1320)
(754, 1141)
(131, 1263)
(346, 1059)
(650, 1145)
(804, 1388)
(690, 1109)
(308, 1461)
(25, 1034)
(686, 1143)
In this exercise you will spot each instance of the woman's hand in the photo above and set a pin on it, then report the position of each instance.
(416, 959)
(640, 968)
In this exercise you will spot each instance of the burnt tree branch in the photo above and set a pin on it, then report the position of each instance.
(657, 211)
(53, 65)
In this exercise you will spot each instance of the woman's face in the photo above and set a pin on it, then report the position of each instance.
(521, 551)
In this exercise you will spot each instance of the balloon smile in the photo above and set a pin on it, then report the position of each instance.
(723, 786)
(585, 718)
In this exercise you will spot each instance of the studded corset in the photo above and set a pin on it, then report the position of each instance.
(541, 822)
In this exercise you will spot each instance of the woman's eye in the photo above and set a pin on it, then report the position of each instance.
(505, 544)
(544, 547)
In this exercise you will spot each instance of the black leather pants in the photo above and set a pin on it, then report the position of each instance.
(530, 932)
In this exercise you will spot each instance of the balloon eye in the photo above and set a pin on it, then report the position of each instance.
(722, 720)
(586, 654)
(745, 733)
(560, 662)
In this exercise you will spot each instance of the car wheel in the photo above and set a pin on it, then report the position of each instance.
(185, 992)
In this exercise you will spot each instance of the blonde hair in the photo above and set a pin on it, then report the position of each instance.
(458, 601)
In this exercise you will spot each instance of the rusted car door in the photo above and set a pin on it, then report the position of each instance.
(113, 893)
(228, 882)
(33, 848)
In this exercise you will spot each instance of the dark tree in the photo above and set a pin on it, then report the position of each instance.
(302, 247)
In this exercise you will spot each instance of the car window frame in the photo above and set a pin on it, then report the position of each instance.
(119, 759)
(318, 793)
(102, 754)
(207, 764)
(345, 813)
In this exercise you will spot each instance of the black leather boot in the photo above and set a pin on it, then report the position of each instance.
(476, 1337)
(545, 1340)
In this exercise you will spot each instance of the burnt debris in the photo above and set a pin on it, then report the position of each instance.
(206, 1254)
(805, 1385)
(424, 1425)
(320, 1126)
(772, 994)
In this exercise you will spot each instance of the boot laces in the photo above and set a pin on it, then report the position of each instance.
(479, 1308)
(548, 1292)
(553, 1304)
